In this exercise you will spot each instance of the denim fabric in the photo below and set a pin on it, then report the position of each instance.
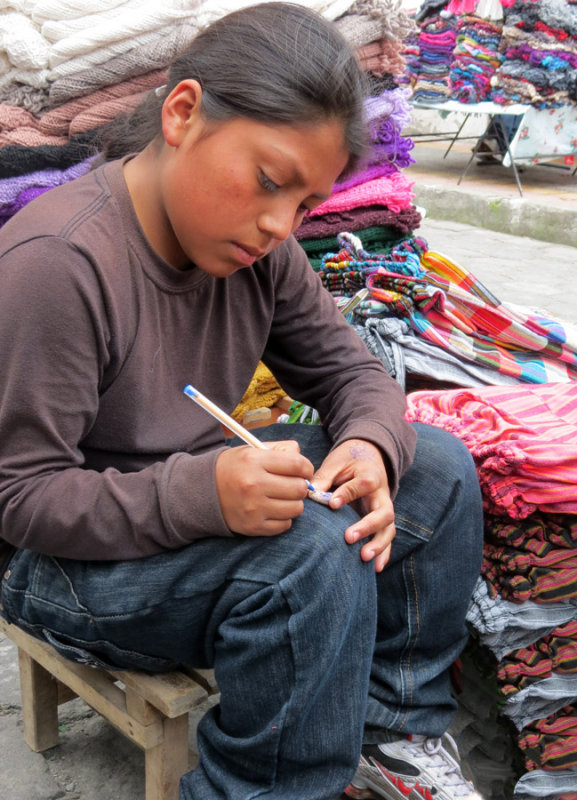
(425, 590)
(289, 624)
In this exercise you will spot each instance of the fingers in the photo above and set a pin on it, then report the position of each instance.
(378, 526)
(261, 491)
(285, 446)
(362, 485)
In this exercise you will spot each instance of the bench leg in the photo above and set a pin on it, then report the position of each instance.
(165, 763)
(39, 692)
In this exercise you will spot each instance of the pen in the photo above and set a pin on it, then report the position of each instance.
(245, 435)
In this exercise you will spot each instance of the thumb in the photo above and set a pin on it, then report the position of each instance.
(322, 480)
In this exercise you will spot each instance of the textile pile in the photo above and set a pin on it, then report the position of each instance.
(378, 198)
(524, 444)
(504, 380)
(539, 48)
(432, 322)
(476, 58)
(430, 55)
(505, 51)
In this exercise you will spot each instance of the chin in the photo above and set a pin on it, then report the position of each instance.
(221, 270)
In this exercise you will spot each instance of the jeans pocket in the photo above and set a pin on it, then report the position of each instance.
(105, 655)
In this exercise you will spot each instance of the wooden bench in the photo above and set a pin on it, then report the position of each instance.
(151, 710)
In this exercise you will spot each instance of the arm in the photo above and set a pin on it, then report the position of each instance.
(62, 341)
(319, 359)
(360, 404)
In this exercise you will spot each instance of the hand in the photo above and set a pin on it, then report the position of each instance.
(357, 469)
(262, 491)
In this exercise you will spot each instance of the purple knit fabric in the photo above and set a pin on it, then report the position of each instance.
(7, 210)
(11, 188)
(364, 174)
(387, 115)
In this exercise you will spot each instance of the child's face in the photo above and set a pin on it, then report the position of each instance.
(230, 193)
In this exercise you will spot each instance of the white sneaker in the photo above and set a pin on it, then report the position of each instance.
(412, 769)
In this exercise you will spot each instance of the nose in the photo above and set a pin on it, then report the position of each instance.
(279, 221)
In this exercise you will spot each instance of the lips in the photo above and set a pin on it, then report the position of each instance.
(247, 255)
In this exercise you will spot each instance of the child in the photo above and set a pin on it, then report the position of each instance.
(132, 535)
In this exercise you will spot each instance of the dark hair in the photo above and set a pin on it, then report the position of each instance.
(274, 62)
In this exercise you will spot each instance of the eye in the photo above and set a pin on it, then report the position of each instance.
(267, 183)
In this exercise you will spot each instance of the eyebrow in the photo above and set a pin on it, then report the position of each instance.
(297, 175)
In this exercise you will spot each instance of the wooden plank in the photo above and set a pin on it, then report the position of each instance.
(139, 708)
(39, 693)
(173, 693)
(94, 686)
(205, 677)
(166, 763)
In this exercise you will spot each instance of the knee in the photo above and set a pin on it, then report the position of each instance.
(446, 460)
(326, 559)
(441, 488)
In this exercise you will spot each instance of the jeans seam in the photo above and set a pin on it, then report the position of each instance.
(407, 683)
(413, 524)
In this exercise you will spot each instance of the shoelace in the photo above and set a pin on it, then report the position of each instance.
(444, 768)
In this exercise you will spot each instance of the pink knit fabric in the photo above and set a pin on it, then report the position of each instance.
(29, 137)
(57, 120)
(393, 191)
(382, 57)
(97, 115)
(18, 126)
(523, 440)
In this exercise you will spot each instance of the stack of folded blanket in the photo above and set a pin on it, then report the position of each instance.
(524, 443)
(431, 56)
(431, 320)
(539, 49)
(377, 200)
(68, 67)
(476, 57)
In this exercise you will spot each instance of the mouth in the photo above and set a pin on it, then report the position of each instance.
(247, 255)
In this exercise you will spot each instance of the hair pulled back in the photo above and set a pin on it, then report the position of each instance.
(275, 62)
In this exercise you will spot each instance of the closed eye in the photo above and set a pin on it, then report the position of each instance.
(267, 183)
(270, 186)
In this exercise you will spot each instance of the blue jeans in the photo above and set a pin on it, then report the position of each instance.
(307, 643)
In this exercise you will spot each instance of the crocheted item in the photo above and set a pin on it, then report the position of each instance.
(354, 268)
(376, 239)
(263, 392)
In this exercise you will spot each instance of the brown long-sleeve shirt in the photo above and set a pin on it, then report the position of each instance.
(102, 456)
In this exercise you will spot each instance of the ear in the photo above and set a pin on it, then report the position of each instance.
(181, 109)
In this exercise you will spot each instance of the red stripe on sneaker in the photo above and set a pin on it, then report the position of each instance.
(423, 791)
(397, 782)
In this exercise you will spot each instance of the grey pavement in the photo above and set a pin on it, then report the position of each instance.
(93, 761)
(517, 269)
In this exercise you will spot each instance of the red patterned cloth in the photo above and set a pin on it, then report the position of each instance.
(523, 440)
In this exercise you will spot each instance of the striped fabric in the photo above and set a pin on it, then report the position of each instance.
(449, 307)
(523, 440)
(556, 652)
(531, 559)
(551, 743)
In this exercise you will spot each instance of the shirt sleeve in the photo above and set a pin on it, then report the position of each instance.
(58, 341)
(319, 359)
